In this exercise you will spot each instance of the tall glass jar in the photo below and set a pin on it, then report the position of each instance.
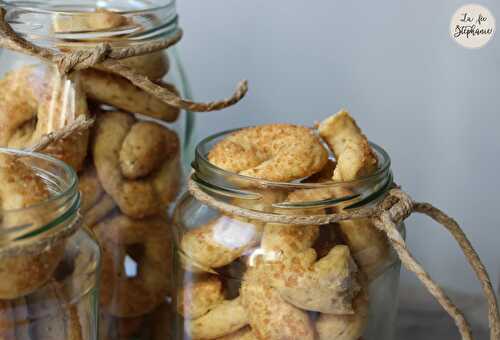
(239, 278)
(49, 263)
(130, 162)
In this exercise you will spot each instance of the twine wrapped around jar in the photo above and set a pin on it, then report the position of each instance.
(396, 207)
(393, 209)
(108, 58)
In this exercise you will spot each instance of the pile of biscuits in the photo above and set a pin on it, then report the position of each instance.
(245, 279)
(129, 168)
(35, 303)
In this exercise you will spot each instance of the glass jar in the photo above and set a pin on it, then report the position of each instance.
(130, 162)
(48, 262)
(235, 274)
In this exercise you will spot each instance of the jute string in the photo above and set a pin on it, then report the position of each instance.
(108, 57)
(396, 207)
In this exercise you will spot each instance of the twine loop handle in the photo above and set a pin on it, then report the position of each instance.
(396, 207)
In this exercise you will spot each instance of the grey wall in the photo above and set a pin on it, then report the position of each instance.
(432, 104)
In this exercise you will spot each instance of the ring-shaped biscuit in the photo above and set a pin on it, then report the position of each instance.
(275, 152)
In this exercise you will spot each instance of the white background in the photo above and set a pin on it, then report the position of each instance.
(431, 103)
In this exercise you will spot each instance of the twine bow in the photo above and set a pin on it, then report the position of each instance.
(396, 207)
(108, 57)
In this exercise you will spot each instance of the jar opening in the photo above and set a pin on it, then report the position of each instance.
(58, 210)
(143, 20)
(228, 185)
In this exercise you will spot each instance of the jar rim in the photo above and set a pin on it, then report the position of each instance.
(34, 21)
(218, 181)
(63, 203)
(52, 7)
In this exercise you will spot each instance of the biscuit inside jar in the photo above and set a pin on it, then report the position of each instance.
(294, 281)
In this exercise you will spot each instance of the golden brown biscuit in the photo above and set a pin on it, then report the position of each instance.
(219, 242)
(34, 102)
(226, 318)
(120, 93)
(276, 152)
(145, 148)
(345, 327)
(269, 315)
(137, 198)
(22, 188)
(99, 20)
(199, 296)
(355, 160)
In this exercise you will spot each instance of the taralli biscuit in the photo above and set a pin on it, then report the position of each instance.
(145, 148)
(21, 188)
(345, 327)
(99, 20)
(276, 152)
(118, 92)
(220, 242)
(355, 160)
(199, 296)
(137, 290)
(137, 198)
(269, 315)
(154, 65)
(355, 157)
(33, 103)
(226, 318)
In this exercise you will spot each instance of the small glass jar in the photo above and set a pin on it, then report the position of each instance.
(238, 278)
(48, 266)
(130, 162)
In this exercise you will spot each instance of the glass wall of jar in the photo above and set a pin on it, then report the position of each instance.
(238, 278)
(49, 263)
(130, 161)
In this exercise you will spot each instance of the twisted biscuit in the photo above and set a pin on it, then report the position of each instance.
(35, 101)
(141, 197)
(21, 188)
(276, 152)
(355, 160)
